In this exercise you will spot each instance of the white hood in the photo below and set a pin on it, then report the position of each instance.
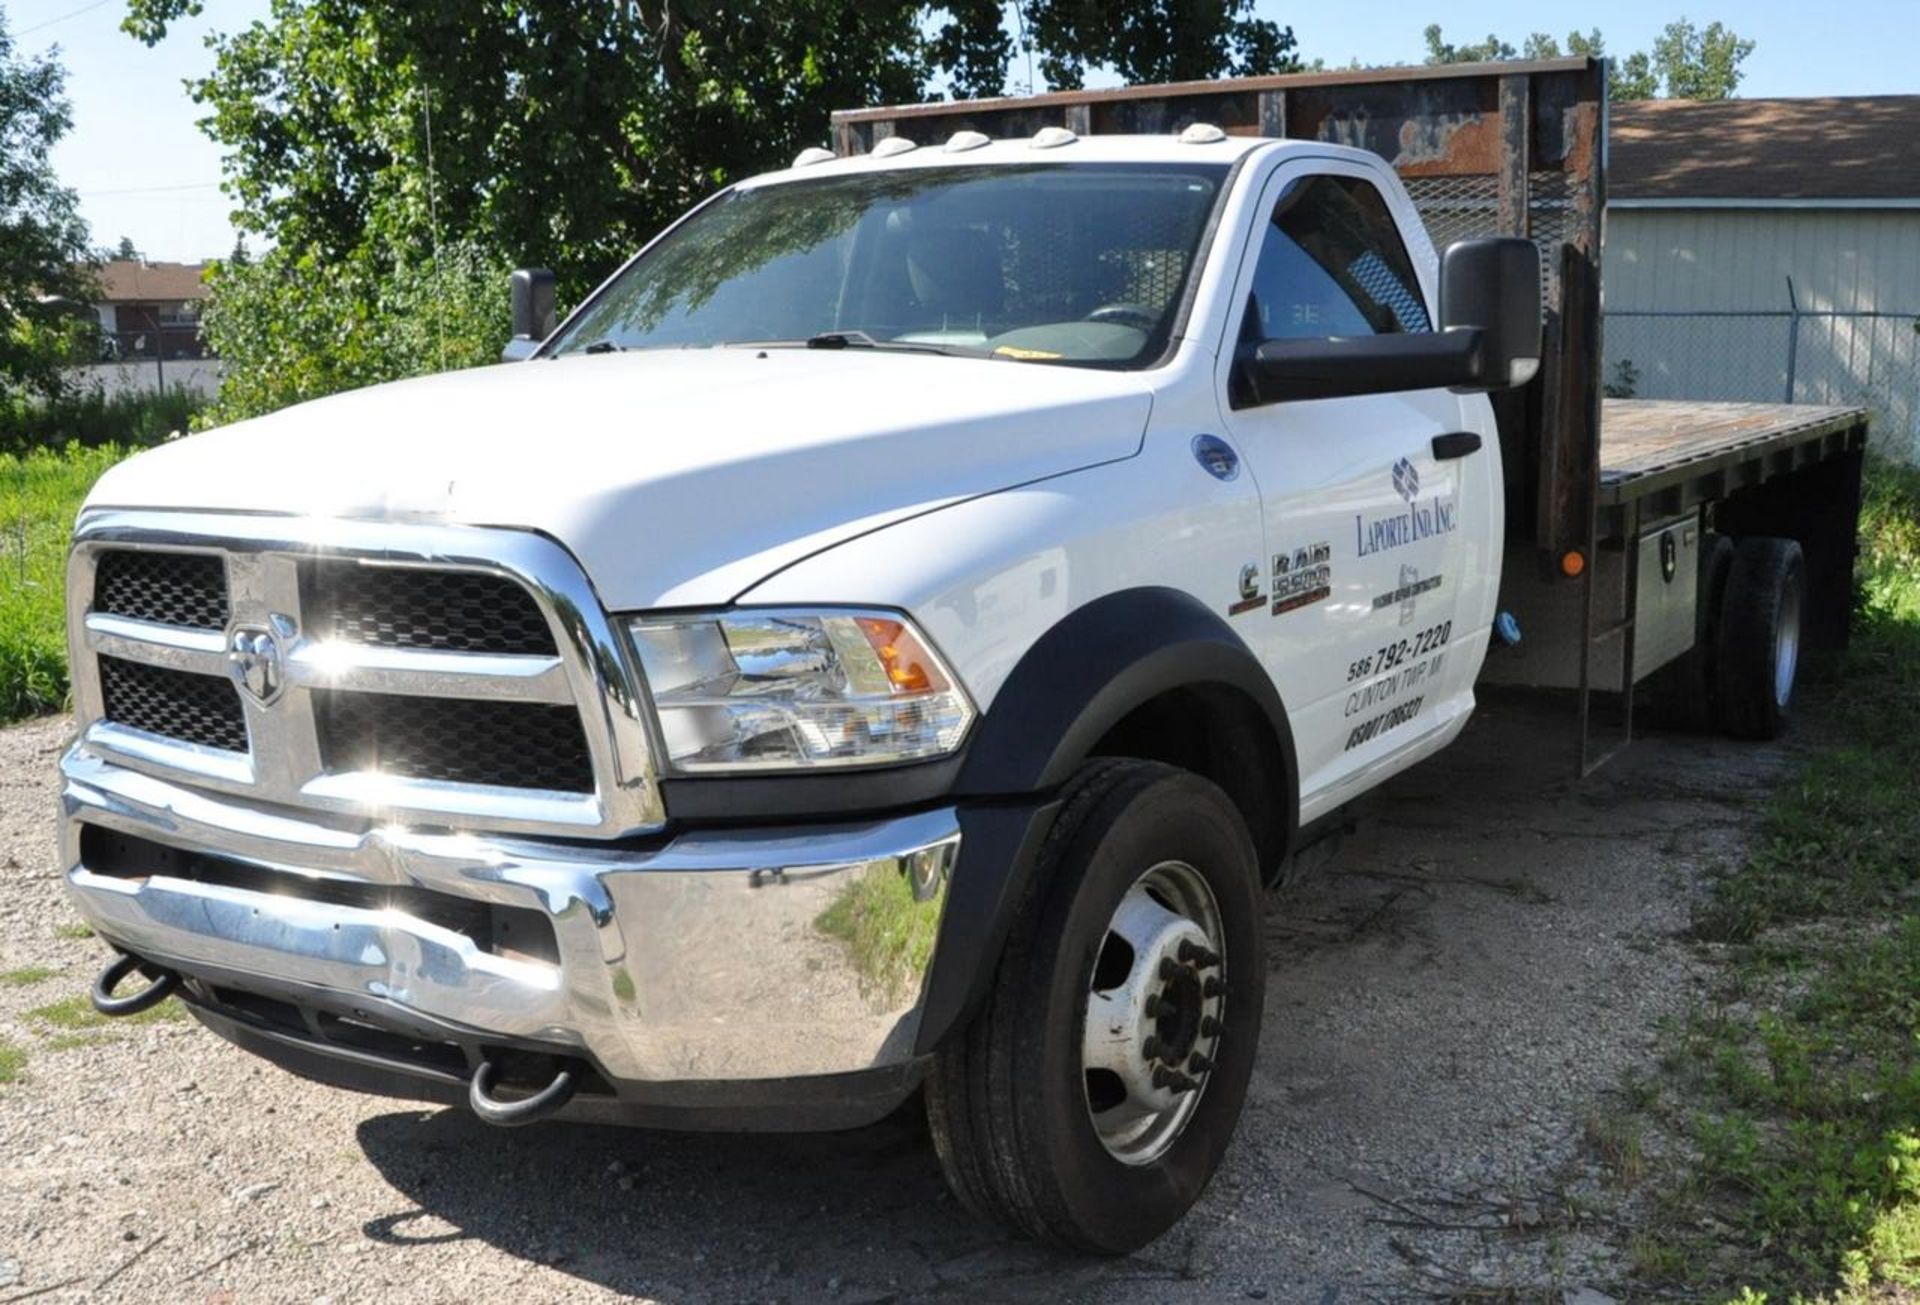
(678, 478)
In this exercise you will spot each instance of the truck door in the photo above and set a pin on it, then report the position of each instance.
(1366, 527)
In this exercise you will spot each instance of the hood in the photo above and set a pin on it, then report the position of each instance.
(678, 478)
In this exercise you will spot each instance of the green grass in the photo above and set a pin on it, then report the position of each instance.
(75, 1013)
(888, 932)
(72, 930)
(39, 495)
(12, 1061)
(25, 977)
(1796, 1089)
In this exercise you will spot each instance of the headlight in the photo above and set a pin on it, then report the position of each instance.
(794, 689)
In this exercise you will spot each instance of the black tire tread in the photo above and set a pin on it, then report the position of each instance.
(1749, 613)
(970, 1092)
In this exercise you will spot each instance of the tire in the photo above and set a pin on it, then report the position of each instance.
(1680, 695)
(1757, 653)
(1010, 1103)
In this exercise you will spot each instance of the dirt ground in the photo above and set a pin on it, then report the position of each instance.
(1454, 997)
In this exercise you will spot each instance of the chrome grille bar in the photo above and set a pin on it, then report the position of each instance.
(265, 558)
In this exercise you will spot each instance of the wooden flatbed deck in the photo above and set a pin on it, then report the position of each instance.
(1686, 452)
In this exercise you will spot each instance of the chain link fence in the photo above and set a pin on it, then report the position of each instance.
(1791, 355)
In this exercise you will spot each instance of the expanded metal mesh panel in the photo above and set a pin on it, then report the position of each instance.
(1456, 208)
(1550, 222)
(450, 611)
(511, 744)
(187, 589)
(203, 709)
(1462, 208)
(1056, 269)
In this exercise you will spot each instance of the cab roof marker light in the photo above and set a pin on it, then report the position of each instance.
(962, 141)
(811, 155)
(893, 145)
(1048, 138)
(1202, 133)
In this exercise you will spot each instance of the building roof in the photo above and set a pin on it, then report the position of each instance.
(1857, 147)
(125, 280)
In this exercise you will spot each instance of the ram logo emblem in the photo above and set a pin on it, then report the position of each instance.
(254, 661)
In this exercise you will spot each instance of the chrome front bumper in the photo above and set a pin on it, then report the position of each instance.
(766, 954)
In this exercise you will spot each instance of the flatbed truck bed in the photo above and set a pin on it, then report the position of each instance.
(1687, 452)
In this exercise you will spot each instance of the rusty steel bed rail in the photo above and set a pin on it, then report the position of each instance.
(1516, 148)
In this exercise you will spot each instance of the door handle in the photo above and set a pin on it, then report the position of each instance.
(1458, 444)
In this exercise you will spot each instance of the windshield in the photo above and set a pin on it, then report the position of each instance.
(1067, 263)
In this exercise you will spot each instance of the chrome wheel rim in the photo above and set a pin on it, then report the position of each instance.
(1156, 1005)
(1786, 646)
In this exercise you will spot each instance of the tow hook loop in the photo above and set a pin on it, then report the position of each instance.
(162, 986)
(510, 1114)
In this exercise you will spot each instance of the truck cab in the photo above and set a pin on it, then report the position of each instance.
(880, 645)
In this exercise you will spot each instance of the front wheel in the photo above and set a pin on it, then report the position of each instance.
(1091, 1100)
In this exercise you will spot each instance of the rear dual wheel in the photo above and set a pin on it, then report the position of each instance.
(1091, 1100)
(1740, 675)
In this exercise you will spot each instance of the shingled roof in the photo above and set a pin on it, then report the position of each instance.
(1846, 147)
(125, 280)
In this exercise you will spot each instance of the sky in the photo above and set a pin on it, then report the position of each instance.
(143, 170)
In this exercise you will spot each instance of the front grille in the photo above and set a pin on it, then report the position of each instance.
(187, 589)
(458, 740)
(203, 709)
(449, 611)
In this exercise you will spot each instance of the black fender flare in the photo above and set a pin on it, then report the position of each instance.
(1068, 691)
(1100, 662)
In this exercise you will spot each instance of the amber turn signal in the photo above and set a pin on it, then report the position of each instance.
(1572, 563)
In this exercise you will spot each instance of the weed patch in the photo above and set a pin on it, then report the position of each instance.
(1797, 1090)
(39, 495)
(12, 1061)
(25, 977)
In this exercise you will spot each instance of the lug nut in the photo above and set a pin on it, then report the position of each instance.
(1194, 954)
(1153, 1005)
(1169, 969)
(1173, 1080)
(1198, 1063)
(1209, 1027)
(1213, 988)
(1151, 1048)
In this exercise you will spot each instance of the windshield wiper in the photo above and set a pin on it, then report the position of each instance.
(853, 339)
(604, 346)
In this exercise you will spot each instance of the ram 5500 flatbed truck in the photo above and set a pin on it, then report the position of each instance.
(884, 641)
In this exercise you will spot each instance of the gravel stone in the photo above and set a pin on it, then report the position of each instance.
(1453, 992)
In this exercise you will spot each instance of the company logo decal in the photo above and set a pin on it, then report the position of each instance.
(1406, 480)
(1407, 595)
(1436, 516)
(1250, 595)
(1302, 577)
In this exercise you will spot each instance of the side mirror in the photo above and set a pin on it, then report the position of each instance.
(1492, 286)
(533, 312)
(1489, 338)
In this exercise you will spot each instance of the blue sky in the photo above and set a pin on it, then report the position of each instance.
(144, 170)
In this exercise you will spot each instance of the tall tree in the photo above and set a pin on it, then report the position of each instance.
(567, 131)
(1700, 64)
(1687, 63)
(45, 272)
(125, 249)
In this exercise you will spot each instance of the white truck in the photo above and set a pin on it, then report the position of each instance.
(884, 641)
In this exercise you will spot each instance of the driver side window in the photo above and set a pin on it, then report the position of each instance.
(1332, 263)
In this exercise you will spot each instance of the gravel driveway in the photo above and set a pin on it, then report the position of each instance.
(1454, 997)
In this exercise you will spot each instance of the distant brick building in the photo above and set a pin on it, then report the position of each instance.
(151, 309)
